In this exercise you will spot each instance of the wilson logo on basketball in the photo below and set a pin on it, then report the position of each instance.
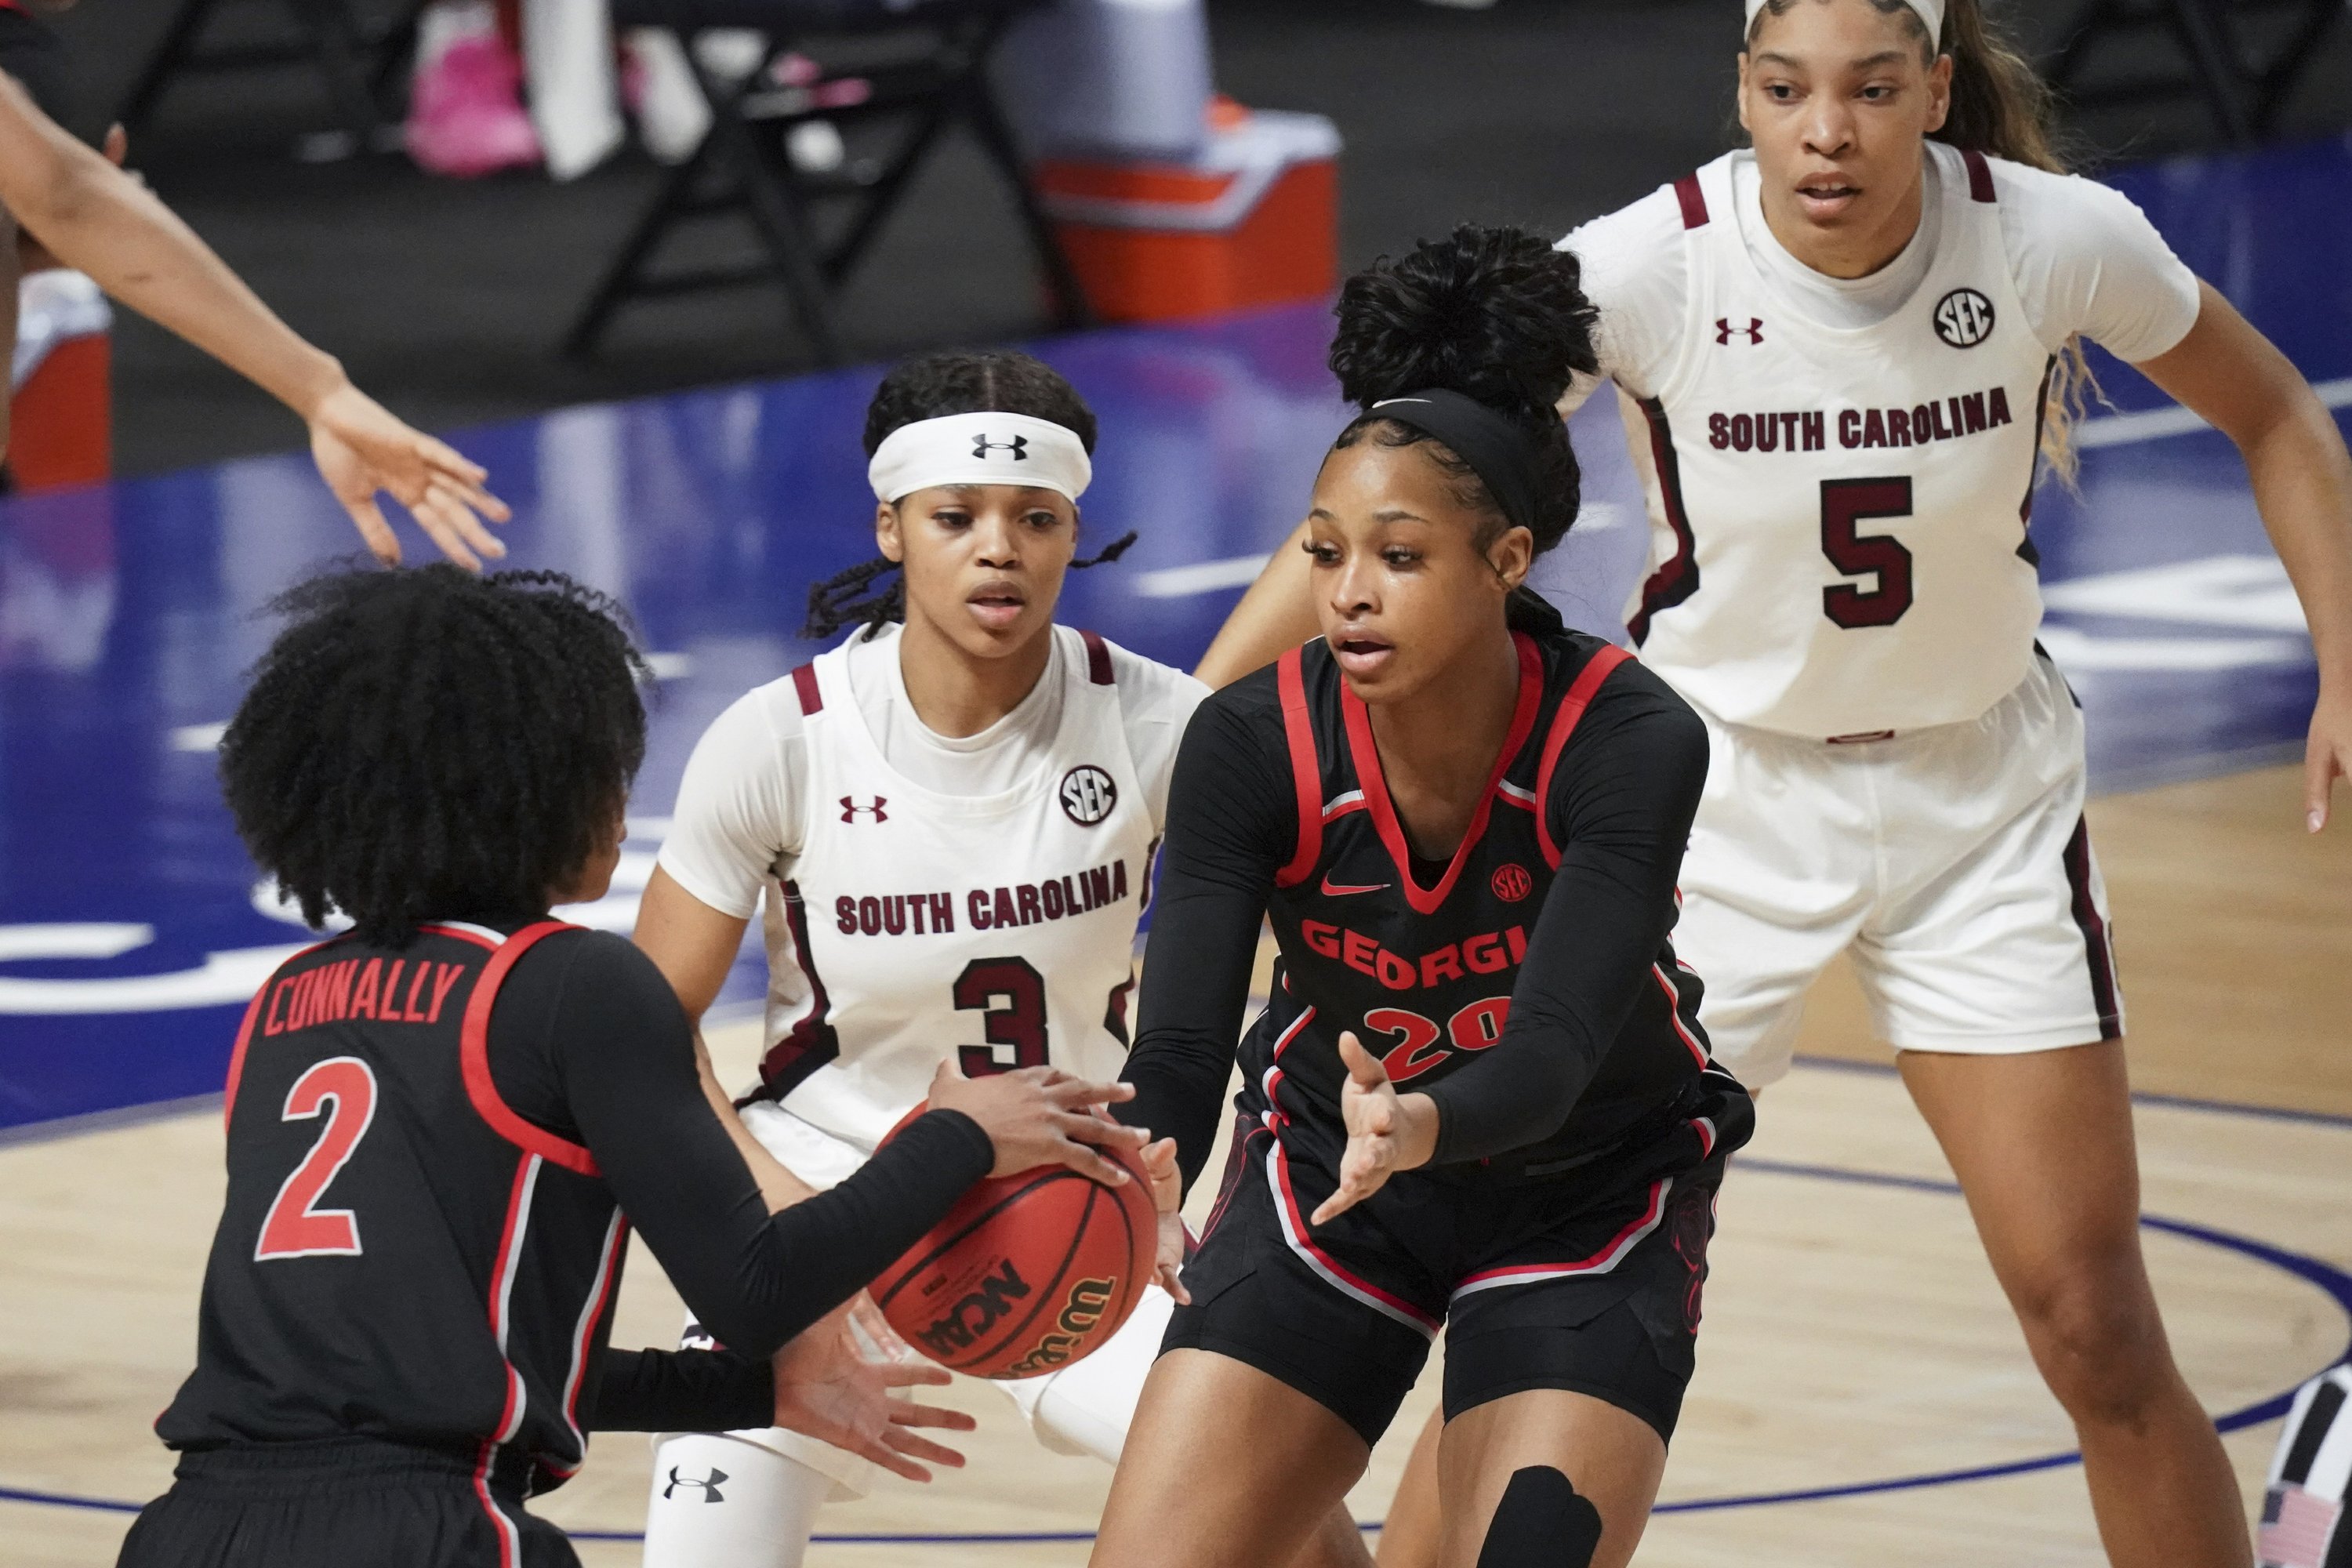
(961, 1325)
(1511, 882)
(1088, 1299)
(1964, 318)
(1088, 794)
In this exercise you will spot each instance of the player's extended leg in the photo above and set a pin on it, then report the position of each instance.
(1259, 1495)
(1546, 1479)
(2043, 1145)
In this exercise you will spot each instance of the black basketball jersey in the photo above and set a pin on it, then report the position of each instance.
(401, 1255)
(1420, 959)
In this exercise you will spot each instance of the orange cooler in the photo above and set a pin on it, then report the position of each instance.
(61, 405)
(1254, 220)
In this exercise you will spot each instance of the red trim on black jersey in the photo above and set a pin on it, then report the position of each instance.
(1675, 1011)
(244, 1035)
(1980, 187)
(1098, 668)
(2094, 933)
(502, 1273)
(474, 1058)
(1577, 698)
(600, 1296)
(1693, 200)
(811, 1042)
(458, 933)
(1349, 1283)
(1676, 578)
(510, 1538)
(1367, 755)
(1305, 769)
(812, 698)
(1610, 1254)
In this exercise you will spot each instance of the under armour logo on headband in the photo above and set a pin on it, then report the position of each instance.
(1019, 447)
(980, 448)
(1931, 12)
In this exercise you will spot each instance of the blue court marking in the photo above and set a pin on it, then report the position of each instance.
(2138, 1097)
(2333, 1281)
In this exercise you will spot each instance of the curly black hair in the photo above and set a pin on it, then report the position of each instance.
(933, 387)
(1496, 314)
(428, 745)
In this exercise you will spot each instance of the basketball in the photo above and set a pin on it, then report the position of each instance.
(1028, 1273)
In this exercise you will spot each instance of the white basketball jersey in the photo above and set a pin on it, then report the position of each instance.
(1838, 542)
(1022, 904)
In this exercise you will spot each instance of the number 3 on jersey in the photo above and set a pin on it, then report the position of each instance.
(1845, 503)
(296, 1226)
(1010, 995)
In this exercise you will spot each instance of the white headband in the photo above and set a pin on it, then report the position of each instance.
(1930, 11)
(980, 449)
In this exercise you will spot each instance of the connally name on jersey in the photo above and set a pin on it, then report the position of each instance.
(1807, 430)
(984, 909)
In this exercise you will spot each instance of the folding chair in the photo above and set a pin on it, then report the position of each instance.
(357, 59)
(744, 168)
(2243, 91)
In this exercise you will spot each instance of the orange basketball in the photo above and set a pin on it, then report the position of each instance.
(1028, 1273)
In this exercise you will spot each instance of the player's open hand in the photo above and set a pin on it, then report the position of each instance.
(2327, 754)
(827, 1388)
(361, 448)
(1387, 1132)
(1041, 1116)
(1167, 1197)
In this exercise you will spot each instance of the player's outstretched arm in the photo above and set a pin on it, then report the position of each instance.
(694, 947)
(93, 217)
(2238, 382)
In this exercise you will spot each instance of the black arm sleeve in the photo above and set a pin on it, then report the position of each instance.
(1232, 821)
(683, 1391)
(608, 1059)
(1624, 794)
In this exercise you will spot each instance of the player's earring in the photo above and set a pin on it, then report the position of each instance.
(1541, 1521)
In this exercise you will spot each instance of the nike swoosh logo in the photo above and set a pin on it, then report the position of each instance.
(1341, 889)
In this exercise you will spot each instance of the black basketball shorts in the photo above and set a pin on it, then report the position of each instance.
(355, 1503)
(1536, 1284)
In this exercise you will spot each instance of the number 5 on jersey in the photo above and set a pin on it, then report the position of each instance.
(1845, 503)
(296, 1226)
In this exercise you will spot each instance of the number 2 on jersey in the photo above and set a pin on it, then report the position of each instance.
(1845, 503)
(1019, 1021)
(296, 1226)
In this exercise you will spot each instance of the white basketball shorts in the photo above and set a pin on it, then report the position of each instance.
(1953, 862)
(1084, 1408)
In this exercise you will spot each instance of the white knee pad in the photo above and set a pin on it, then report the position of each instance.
(1088, 1408)
(725, 1500)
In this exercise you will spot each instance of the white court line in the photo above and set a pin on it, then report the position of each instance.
(2155, 424)
(1202, 577)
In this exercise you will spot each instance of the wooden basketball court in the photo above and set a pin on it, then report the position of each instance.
(1858, 1374)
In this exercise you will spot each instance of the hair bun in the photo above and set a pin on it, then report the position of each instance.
(1496, 314)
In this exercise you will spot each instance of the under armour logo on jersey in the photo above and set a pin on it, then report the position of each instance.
(1753, 330)
(850, 809)
(1019, 447)
(709, 1484)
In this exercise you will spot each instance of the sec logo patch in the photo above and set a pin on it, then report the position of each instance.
(1088, 794)
(1511, 883)
(1964, 318)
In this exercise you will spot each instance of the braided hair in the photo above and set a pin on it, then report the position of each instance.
(1496, 314)
(426, 743)
(933, 387)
